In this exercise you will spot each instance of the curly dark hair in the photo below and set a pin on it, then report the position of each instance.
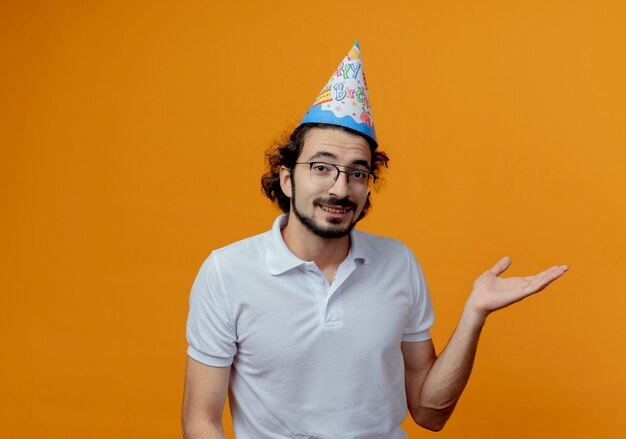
(286, 150)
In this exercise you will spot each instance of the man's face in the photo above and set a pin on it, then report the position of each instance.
(329, 211)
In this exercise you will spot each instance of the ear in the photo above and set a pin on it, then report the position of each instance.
(285, 181)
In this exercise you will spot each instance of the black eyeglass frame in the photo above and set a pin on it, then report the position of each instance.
(339, 171)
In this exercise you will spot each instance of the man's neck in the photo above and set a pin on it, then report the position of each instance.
(326, 253)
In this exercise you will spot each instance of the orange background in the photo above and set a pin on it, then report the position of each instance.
(132, 138)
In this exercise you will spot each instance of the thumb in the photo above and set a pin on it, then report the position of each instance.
(501, 266)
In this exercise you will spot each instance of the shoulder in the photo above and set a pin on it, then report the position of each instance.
(381, 246)
(239, 253)
(242, 247)
(379, 240)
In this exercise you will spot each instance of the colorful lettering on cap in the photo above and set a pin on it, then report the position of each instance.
(344, 99)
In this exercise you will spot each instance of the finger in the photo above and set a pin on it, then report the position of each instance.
(501, 266)
(545, 278)
(556, 271)
(553, 273)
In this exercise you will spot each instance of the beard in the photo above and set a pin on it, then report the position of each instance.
(328, 231)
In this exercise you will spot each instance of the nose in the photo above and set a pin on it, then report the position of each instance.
(340, 186)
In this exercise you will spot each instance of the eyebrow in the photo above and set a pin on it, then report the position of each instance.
(330, 155)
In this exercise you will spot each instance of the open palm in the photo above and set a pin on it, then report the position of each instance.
(492, 292)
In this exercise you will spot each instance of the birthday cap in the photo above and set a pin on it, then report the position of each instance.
(344, 100)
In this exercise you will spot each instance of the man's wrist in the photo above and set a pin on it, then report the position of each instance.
(474, 317)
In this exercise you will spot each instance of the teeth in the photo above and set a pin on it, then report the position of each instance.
(334, 209)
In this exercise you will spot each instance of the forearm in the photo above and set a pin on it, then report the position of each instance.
(202, 429)
(448, 376)
(432, 403)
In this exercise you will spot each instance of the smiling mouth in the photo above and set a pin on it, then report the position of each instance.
(334, 209)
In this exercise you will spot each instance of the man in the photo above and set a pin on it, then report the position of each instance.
(319, 330)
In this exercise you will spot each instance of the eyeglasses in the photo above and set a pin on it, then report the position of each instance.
(326, 174)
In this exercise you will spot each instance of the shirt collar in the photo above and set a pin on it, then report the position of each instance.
(280, 259)
(359, 248)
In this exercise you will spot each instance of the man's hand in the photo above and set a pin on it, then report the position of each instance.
(433, 391)
(492, 292)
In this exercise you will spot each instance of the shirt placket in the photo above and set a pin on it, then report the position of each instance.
(328, 294)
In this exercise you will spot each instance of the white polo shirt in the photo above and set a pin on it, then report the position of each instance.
(309, 359)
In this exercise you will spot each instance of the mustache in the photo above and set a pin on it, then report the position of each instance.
(343, 202)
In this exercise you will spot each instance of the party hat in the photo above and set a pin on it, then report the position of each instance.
(344, 100)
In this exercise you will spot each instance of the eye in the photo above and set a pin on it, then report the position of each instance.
(320, 168)
(359, 175)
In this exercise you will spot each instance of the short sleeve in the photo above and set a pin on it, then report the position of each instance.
(422, 316)
(211, 336)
